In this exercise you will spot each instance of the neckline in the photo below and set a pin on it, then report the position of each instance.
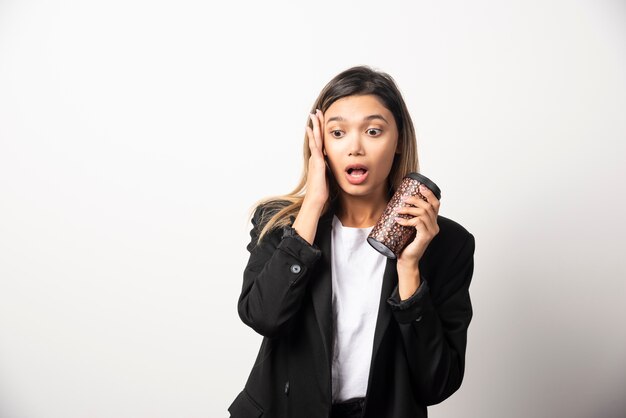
(338, 221)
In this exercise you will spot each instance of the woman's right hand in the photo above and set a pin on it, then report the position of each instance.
(317, 186)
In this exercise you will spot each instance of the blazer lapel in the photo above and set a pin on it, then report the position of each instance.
(390, 281)
(321, 285)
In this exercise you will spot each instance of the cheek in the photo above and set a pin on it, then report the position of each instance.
(332, 148)
(334, 168)
(332, 156)
(385, 157)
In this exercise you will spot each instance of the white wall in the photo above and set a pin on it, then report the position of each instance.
(135, 135)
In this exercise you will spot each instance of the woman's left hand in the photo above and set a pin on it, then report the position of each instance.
(424, 220)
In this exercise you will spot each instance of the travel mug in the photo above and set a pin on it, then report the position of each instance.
(388, 237)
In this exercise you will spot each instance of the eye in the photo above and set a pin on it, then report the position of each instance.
(336, 133)
(376, 131)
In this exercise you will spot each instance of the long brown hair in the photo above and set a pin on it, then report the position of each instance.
(359, 80)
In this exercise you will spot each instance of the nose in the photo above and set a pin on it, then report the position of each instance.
(356, 145)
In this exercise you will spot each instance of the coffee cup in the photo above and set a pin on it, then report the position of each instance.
(389, 237)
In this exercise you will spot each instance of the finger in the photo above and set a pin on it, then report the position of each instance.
(321, 117)
(421, 224)
(421, 203)
(414, 218)
(422, 209)
(424, 195)
(313, 126)
(316, 130)
(412, 211)
(430, 199)
(312, 144)
(429, 195)
(414, 222)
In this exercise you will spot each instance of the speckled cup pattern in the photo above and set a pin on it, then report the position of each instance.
(387, 231)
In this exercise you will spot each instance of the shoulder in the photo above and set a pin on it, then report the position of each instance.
(261, 215)
(452, 230)
(452, 241)
(448, 260)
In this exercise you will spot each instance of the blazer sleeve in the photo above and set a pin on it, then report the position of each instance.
(275, 277)
(435, 336)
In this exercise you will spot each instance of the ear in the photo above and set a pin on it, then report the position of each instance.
(324, 151)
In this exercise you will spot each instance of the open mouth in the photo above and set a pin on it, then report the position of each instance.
(356, 170)
(356, 174)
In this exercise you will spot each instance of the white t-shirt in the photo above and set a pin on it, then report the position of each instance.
(357, 276)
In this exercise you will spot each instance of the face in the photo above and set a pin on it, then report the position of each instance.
(360, 140)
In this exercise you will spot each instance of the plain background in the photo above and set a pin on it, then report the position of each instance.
(136, 135)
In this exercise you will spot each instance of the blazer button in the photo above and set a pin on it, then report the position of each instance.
(419, 318)
(287, 388)
(295, 269)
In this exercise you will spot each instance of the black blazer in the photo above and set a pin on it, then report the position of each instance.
(418, 357)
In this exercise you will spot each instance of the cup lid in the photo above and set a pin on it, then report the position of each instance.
(427, 182)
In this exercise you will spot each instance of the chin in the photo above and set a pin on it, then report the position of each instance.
(355, 190)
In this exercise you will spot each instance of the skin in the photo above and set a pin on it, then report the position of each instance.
(355, 139)
(373, 143)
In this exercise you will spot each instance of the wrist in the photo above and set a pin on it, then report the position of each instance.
(305, 223)
(314, 205)
(410, 266)
(408, 280)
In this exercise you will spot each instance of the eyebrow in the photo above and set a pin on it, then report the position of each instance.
(370, 117)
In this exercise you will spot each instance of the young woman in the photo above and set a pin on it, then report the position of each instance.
(348, 332)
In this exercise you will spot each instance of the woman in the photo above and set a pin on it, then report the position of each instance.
(348, 332)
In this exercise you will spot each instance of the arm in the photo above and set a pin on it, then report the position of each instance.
(275, 278)
(435, 335)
